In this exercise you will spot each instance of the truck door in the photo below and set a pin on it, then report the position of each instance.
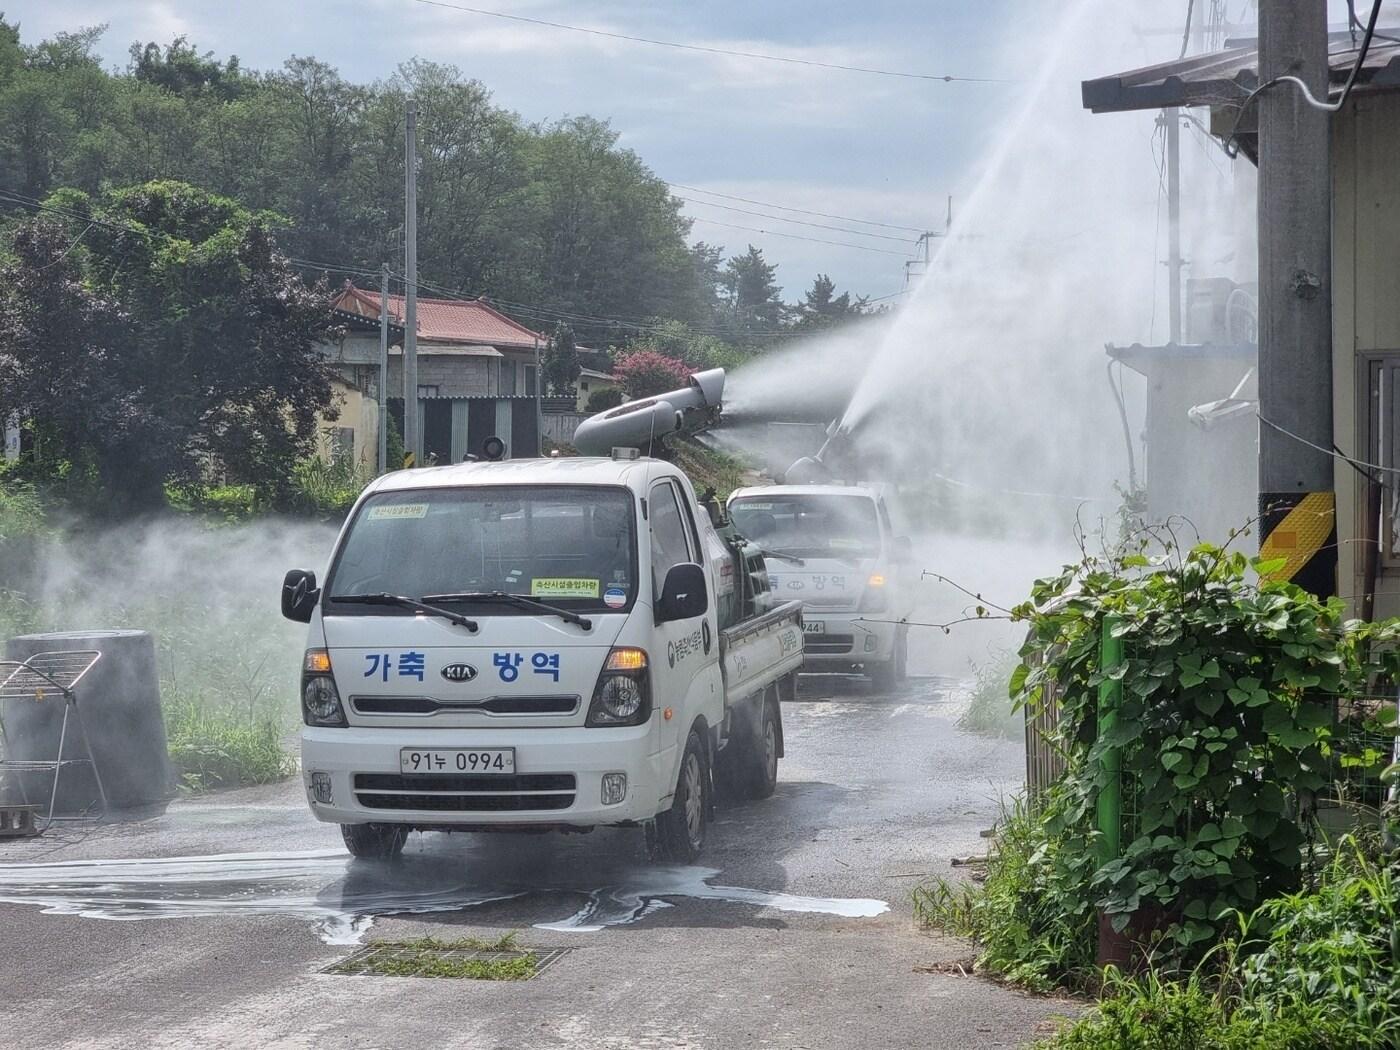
(685, 665)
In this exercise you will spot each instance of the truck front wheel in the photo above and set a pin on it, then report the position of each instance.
(379, 841)
(679, 833)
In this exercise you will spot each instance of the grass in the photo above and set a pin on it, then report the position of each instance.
(990, 712)
(215, 745)
(430, 957)
(1014, 913)
(707, 468)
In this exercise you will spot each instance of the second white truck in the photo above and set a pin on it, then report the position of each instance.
(535, 645)
(839, 550)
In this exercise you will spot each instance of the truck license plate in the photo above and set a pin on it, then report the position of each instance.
(814, 627)
(457, 760)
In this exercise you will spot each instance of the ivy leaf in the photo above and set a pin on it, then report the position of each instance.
(1209, 703)
(1209, 833)
(1268, 567)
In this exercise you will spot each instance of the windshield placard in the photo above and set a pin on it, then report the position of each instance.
(564, 587)
(394, 511)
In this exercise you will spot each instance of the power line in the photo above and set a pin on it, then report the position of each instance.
(800, 237)
(798, 222)
(800, 211)
(757, 56)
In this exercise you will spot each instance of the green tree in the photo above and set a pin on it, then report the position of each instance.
(560, 362)
(822, 308)
(181, 69)
(156, 328)
(755, 307)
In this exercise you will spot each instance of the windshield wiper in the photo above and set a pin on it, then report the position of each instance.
(524, 601)
(767, 553)
(383, 598)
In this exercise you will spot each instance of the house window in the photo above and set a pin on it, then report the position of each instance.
(507, 380)
(584, 386)
(529, 379)
(427, 390)
(1383, 449)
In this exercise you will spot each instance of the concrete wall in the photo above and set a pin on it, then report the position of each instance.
(1209, 476)
(359, 414)
(1365, 316)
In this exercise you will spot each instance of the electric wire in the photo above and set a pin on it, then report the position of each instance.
(1336, 453)
(1302, 86)
(1186, 33)
(800, 237)
(707, 49)
(798, 222)
(800, 211)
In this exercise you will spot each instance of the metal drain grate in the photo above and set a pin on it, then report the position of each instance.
(438, 959)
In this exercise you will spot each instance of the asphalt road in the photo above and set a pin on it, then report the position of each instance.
(207, 924)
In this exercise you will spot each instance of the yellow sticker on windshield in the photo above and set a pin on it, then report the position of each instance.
(563, 587)
(398, 510)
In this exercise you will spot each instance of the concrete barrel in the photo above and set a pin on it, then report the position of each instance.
(119, 700)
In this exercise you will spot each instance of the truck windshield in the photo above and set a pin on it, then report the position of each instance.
(809, 526)
(569, 546)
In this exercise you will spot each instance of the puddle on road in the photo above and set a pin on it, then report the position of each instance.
(342, 896)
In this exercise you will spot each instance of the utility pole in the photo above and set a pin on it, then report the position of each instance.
(539, 405)
(1297, 503)
(1172, 119)
(382, 460)
(411, 442)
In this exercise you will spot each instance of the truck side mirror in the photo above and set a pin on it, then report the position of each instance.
(299, 595)
(683, 596)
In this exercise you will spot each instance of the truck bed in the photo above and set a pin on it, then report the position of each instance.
(758, 652)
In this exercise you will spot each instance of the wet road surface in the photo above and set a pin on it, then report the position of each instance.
(207, 923)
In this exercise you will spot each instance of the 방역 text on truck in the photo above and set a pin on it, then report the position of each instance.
(539, 644)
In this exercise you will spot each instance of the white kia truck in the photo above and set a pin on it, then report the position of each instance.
(531, 645)
(839, 551)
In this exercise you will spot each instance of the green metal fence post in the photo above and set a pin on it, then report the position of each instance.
(1110, 796)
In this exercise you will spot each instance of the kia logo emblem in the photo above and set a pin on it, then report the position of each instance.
(795, 585)
(459, 672)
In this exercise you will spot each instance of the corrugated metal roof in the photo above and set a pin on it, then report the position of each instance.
(1229, 75)
(470, 321)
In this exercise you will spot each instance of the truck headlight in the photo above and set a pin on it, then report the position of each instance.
(622, 696)
(876, 596)
(320, 700)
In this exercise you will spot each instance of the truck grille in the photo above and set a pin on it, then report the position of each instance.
(828, 644)
(466, 794)
(496, 705)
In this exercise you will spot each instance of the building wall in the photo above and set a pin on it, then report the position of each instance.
(1365, 316)
(1207, 475)
(359, 416)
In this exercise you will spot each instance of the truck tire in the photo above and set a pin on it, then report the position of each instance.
(889, 676)
(750, 767)
(679, 833)
(374, 841)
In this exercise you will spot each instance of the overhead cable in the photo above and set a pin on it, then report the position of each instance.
(800, 211)
(707, 49)
(800, 237)
(799, 222)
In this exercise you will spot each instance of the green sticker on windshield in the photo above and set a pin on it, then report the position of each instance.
(398, 510)
(563, 587)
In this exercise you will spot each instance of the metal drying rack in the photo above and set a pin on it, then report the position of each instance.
(44, 678)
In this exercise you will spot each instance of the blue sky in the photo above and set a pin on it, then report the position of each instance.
(873, 147)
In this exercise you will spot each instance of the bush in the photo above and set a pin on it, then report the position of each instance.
(1333, 951)
(1225, 720)
(603, 399)
(216, 745)
(990, 710)
(646, 373)
(325, 489)
(1018, 914)
(1155, 1014)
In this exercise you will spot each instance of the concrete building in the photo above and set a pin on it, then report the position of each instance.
(476, 376)
(1365, 349)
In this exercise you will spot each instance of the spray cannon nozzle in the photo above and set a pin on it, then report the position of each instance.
(832, 457)
(643, 423)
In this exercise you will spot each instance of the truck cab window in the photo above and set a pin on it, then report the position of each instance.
(669, 543)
